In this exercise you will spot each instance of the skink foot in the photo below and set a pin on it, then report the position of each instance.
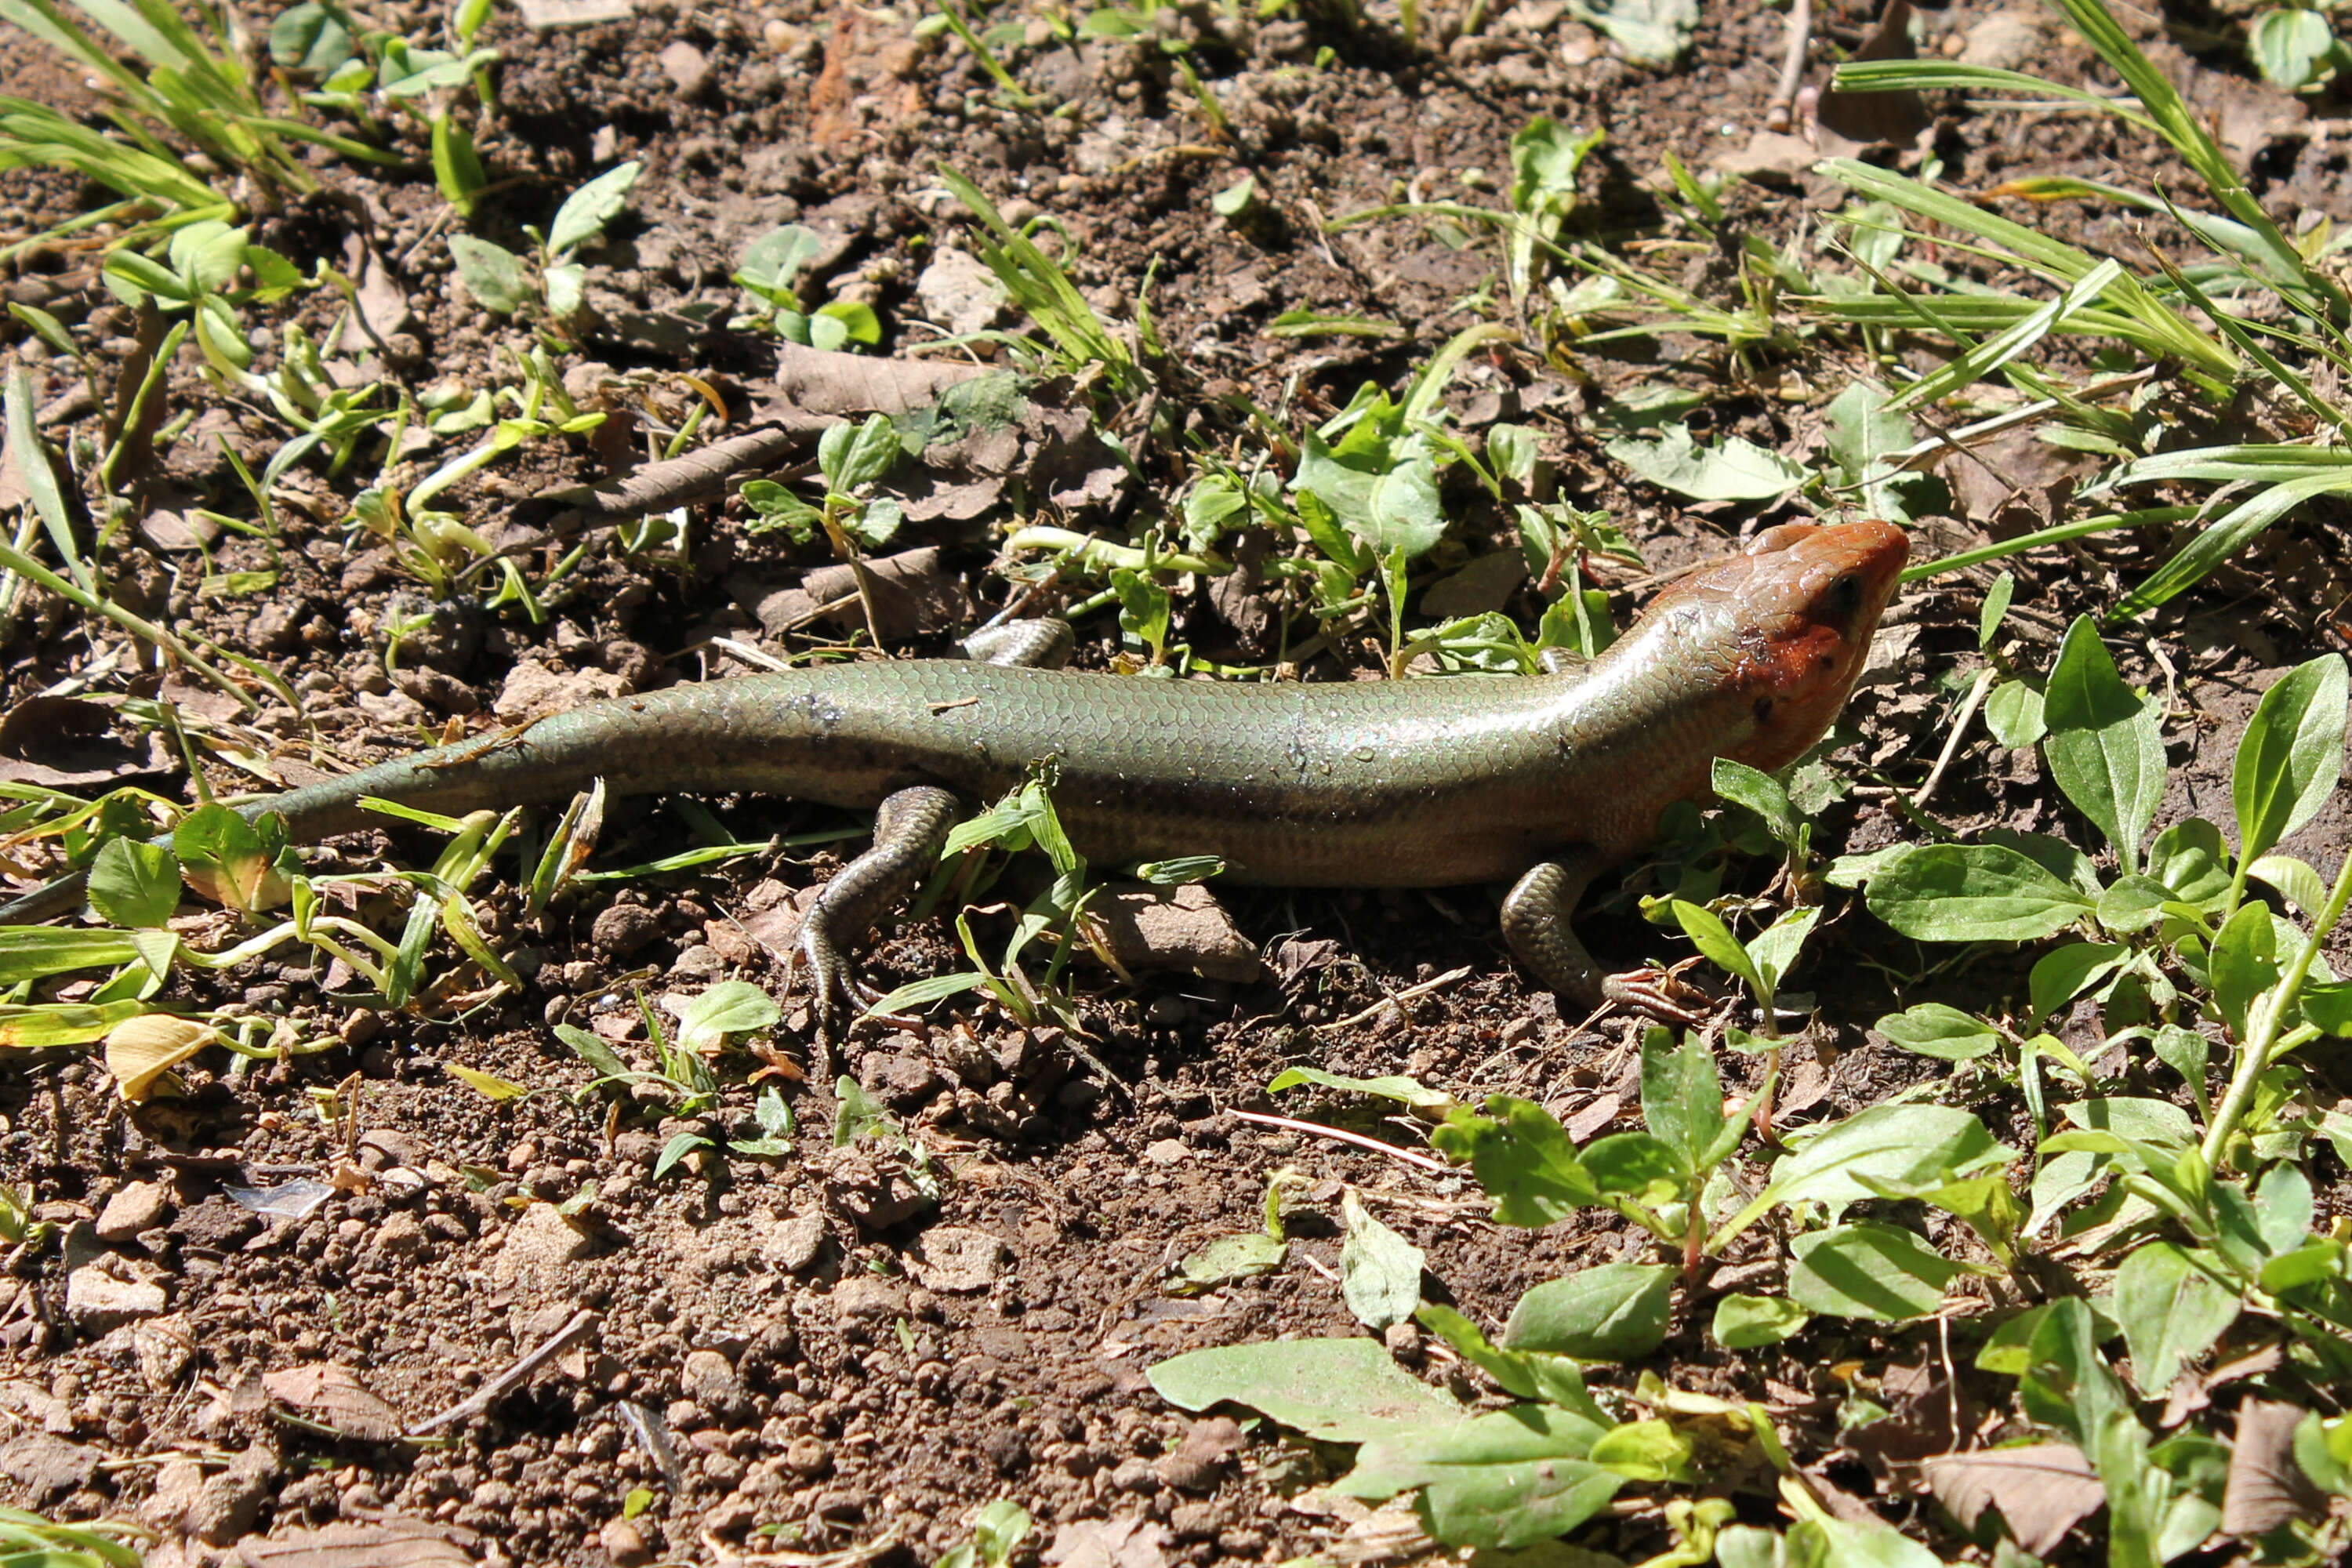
(1660, 994)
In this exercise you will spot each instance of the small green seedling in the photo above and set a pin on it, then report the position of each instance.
(767, 273)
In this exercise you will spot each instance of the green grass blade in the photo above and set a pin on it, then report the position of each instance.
(1992, 353)
(1941, 76)
(2225, 536)
(2179, 125)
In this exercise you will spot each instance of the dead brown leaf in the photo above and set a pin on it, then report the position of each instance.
(2266, 1486)
(2042, 1490)
(333, 1396)
(813, 381)
(392, 1542)
(66, 743)
(1108, 1544)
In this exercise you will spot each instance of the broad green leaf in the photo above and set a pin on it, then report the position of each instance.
(1737, 469)
(586, 211)
(2291, 755)
(2067, 1383)
(2013, 714)
(2133, 903)
(310, 38)
(491, 274)
(2294, 48)
(1336, 1391)
(134, 882)
(2244, 964)
(1379, 1271)
(1650, 31)
(43, 1024)
(771, 262)
(1760, 792)
(1682, 1095)
(2065, 972)
(729, 1007)
(1912, 1143)
(1521, 1156)
(2298, 880)
(1651, 1451)
(1775, 948)
(2190, 859)
(1996, 608)
(853, 457)
(1973, 892)
(1946, 1034)
(679, 1146)
(1638, 1166)
(592, 1049)
(1616, 1311)
(1986, 1204)
(1244, 1256)
(1714, 939)
(1498, 1481)
(1828, 1542)
(2283, 1208)
(2104, 747)
(2157, 1122)
(2171, 1312)
(1530, 1375)
(1751, 1322)
(1868, 1270)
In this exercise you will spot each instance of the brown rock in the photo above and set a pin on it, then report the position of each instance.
(141, 1205)
(102, 1296)
(956, 1260)
(625, 1544)
(539, 1250)
(622, 929)
(1180, 928)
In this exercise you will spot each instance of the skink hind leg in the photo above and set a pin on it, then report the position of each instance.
(910, 830)
(1535, 924)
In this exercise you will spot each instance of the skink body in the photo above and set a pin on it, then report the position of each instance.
(1393, 784)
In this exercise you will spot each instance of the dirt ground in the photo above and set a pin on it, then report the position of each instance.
(803, 1356)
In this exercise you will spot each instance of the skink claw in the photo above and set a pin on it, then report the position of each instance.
(1663, 994)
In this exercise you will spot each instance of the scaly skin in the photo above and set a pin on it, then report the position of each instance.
(1419, 782)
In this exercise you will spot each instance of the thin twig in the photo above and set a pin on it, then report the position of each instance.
(1315, 1130)
(1793, 66)
(1410, 993)
(479, 1401)
(1969, 707)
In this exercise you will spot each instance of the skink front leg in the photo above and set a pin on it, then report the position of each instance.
(1042, 643)
(1535, 924)
(910, 830)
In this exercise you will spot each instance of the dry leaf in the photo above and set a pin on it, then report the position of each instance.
(2042, 1489)
(66, 743)
(392, 1542)
(141, 1050)
(2267, 1486)
(335, 1398)
(1876, 117)
(1108, 1544)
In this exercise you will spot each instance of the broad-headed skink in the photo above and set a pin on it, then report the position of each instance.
(1414, 783)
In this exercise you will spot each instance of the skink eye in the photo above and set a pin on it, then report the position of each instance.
(1844, 596)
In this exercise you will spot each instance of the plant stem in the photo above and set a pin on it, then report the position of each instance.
(2270, 1019)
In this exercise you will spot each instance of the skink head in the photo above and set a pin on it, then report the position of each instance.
(1800, 604)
